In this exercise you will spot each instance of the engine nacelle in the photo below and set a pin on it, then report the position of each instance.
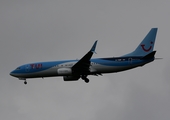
(64, 71)
(71, 78)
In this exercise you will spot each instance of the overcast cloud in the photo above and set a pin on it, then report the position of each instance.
(47, 30)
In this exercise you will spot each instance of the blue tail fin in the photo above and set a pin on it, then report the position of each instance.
(147, 45)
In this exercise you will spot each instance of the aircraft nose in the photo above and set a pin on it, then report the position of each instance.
(12, 73)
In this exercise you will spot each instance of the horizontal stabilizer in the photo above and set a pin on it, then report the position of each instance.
(158, 58)
(150, 55)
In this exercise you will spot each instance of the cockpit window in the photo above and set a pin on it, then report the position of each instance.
(18, 68)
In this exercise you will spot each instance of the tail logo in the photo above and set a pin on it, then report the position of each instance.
(146, 50)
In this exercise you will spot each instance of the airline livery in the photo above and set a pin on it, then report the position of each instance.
(73, 70)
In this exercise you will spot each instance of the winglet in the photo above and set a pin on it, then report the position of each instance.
(94, 47)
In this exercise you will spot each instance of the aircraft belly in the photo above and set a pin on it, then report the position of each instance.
(111, 69)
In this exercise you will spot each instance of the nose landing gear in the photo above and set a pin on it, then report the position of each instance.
(25, 82)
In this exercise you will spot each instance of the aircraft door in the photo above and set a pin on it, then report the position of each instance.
(130, 60)
(27, 68)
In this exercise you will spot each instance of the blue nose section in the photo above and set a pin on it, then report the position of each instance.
(12, 73)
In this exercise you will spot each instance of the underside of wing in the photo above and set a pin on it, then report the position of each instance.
(83, 65)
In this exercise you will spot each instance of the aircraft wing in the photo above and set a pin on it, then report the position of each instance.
(82, 66)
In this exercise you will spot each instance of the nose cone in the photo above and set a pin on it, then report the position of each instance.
(12, 73)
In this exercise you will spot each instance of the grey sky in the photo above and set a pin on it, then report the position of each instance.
(45, 30)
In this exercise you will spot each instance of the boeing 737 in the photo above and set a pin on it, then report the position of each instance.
(73, 70)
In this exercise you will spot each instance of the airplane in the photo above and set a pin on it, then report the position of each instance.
(73, 70)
